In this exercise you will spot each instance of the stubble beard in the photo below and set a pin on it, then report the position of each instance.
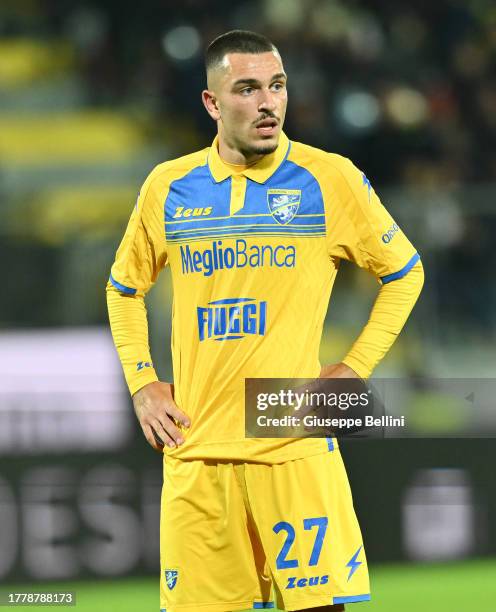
(254, 150)
(264, 149)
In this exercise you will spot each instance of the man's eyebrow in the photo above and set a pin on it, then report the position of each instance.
(279, 75)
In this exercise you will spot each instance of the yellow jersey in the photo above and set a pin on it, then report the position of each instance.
(253, 255)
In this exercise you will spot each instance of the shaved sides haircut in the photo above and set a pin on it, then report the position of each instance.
(236, 41)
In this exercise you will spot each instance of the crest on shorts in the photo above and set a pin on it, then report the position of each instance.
(283, 204)
(171, 578)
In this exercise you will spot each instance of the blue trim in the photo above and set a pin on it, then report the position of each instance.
(401, 273)
(232, 301)
(185, 239)
(350, 599)
(245, 230)
(263, 605)
(330, 444)
(247, 227)
(246, 219)
(286, 156)
(122, 288)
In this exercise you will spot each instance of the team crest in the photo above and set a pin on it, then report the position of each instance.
(283, 204)
(171, 578)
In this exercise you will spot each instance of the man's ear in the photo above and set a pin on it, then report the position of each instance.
(210, 103)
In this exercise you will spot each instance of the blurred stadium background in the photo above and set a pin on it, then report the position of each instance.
(92, 96)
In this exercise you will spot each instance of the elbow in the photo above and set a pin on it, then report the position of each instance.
(418, 268)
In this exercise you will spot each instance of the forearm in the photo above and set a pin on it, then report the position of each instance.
(129, 325)
(391, 309)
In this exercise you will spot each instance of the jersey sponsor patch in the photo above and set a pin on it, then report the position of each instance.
(216, 256)
(231, 319)
(283, 204)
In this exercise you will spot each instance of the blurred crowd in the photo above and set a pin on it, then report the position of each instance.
(407, 89)
(94, 93)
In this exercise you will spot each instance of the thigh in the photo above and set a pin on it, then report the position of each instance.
(305, 516)
(205, 550)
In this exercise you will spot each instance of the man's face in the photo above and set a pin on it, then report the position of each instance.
(250, 96)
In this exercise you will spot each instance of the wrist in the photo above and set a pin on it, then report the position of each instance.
(339, 370)
(358, 368)
(141, 379)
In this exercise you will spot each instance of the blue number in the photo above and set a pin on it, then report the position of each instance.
(281, 561)
(308, 524)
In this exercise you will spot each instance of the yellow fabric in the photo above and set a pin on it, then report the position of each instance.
(276, 257)
(218, 521)
(238, 192)
(129, 326)
(389, 313)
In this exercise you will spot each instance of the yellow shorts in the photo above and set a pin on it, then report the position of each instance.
(238, 536)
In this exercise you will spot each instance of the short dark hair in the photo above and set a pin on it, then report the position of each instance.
(236, 41)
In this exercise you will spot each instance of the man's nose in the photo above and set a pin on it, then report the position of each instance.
(266, 101)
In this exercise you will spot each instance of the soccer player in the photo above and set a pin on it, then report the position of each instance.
(253, 229)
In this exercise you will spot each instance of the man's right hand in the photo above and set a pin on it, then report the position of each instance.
(156, 410)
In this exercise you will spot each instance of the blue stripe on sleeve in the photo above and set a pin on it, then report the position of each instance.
(330, 444)
(264, 605)
(401, 273)
(122, 288)
(350, 599)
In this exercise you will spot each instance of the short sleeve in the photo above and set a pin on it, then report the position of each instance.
(142, 252)
(360, 229)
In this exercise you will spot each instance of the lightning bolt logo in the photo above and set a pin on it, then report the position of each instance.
(353, 564)
(366, 182)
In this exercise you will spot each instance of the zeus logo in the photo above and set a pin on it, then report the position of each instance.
(232, 319)
(294, 583)
(192, 212)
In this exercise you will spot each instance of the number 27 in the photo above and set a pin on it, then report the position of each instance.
(321, 522)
